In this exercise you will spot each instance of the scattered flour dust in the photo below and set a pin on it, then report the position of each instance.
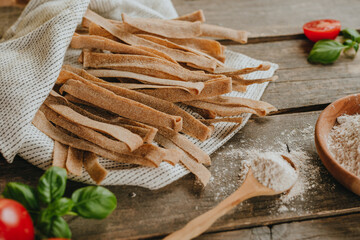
(308, 173)
(272, 170)
(344, 142)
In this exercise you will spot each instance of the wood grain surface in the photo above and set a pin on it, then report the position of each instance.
(302, 87)
(275, 20)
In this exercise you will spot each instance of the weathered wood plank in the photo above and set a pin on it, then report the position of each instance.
(341, 227)
(165, 210)
(156, 213)
(8, 16)
(272, 18)
(259, 233)
(301, 83)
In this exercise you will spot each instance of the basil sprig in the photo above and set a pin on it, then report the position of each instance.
(47, 206)
(328, 51)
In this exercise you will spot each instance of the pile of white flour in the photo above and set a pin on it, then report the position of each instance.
(272, 170)
(344, 142)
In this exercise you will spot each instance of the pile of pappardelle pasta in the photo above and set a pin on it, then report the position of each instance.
(137, 71)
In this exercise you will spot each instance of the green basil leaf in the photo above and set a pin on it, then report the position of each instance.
(59, 207)
(325, 51)
(94, 202)
(351, 34)
(356, 46)
(52, 184)
(55, 226)
(23, 194)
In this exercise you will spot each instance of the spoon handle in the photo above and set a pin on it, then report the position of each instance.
(199, 224)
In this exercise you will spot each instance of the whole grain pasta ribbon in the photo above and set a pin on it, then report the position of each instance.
(56, 134)
(133, 141)
(164, 27)
(125, 107)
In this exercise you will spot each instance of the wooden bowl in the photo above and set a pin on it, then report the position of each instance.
(347, 105)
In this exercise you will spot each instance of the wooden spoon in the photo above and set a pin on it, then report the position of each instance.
(249, 189)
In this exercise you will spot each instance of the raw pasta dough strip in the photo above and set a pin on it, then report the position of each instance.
(84, 132)
(145, 131)
(132, 39)
(155, 67)
(226, 110)
(56, 134)
(147, 151)
(200, 60)
(164, 27)
(108, 100)
(191, 126)
(238, 87)
(132, 141)
(193, 17)
(135, 86)
(257, 105)
(60, 152)
(74, 161)
(216, 120)
(212, 88)
(241, 80)
(232, 72)
(201, 172)
(91, 164)
(186, 145)
(193, 87)
(99, 42)
(208, 46)
(208, 30)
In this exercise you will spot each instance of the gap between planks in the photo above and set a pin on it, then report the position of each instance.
(271, 224)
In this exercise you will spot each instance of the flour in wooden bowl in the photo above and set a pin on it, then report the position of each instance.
(344, 142)
(272, 170)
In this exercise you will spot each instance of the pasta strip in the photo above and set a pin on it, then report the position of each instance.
(195, 87)
(241, 80)
(199, 60)
(212, 88)
(216, 120)
(186, 145)
(93, 41)
(208, 30)
(91, 164)
(57, 134)
(108, 100)
(143, 64)
(201, 172)
(191, 126)
(59, 154)
(192, 17)
(164, 27)
(211, 47)
(230, 106)
(132, 39)
(232, 72)
(241, 102)
(74, 161)
(145, 131)
(133, 141)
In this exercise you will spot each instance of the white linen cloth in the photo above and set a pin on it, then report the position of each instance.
(32, 52)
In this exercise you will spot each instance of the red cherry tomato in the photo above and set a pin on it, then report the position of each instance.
(322, 29)
(15, 221)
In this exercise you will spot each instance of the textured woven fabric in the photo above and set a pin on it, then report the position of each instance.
(33, 86)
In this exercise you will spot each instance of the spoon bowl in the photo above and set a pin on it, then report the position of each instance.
(347, 105)
(249, 189)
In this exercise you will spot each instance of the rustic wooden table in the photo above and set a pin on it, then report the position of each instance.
(325, 209)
